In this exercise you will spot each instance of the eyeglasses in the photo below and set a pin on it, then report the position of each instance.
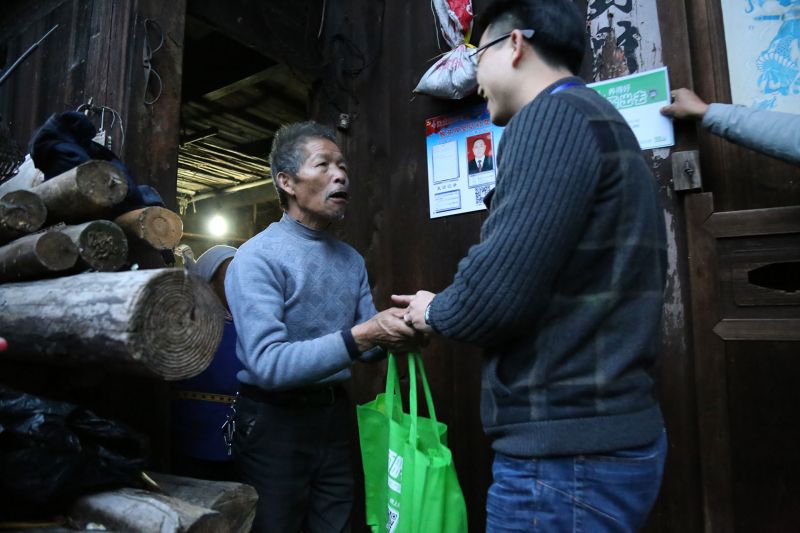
(475, 57)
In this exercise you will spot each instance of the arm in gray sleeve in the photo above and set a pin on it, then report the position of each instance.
(254, 288)
(366, 310)
(769, 132)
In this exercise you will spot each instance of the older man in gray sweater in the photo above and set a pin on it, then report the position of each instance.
(302, 305)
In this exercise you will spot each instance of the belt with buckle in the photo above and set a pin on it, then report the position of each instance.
(305, 397)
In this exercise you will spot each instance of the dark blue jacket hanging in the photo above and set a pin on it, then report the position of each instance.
(65, 141)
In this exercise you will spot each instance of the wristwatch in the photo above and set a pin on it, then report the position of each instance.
(427, 314)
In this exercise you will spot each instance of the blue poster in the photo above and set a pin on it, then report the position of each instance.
(462, 168)
(763, 42)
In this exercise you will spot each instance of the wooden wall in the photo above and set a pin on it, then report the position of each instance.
(388, 222)
(97, 52)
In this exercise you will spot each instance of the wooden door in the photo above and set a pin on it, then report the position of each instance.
(744, 258)
(745, 275)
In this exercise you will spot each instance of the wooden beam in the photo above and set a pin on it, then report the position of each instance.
(214, 238)
(215, 60)
(772, 329)
(755, 222)
(198, 136)
(237, 86)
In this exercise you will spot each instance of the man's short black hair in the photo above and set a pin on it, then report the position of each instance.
(288, 150)
(560, 37)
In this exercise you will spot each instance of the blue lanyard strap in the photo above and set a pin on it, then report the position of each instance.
(564, 86)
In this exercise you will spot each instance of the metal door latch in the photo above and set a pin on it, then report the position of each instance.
(686, 171)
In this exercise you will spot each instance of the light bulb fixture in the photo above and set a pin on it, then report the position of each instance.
(217, 225)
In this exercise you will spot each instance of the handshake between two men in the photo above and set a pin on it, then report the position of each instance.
(397, 328)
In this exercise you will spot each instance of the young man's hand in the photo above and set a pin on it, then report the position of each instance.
(416, 304)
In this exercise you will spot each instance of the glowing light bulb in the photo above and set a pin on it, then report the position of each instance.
(218, 226)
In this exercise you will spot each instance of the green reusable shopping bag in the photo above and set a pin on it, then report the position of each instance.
(409, 477)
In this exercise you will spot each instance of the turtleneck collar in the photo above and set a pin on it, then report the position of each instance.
(300, 230)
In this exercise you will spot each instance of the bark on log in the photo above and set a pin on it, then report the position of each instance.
(21, 212)
(144, 256)
(159, 227)
(164, 322)
(136, 510)
(87, 191)
(36, 256)
(101, 244)
(236, 502)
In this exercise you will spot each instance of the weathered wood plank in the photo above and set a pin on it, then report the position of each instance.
(755, 222)
(771, 329)
(140, 511)
(710, 368)
(236, 502)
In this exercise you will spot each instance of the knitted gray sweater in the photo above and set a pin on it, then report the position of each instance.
(294, 294)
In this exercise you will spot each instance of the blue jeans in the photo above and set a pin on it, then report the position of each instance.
(613, 491)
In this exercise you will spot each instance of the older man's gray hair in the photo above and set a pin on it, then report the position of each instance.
(288, 151)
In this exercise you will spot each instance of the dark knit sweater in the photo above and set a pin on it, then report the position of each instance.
(565, 288)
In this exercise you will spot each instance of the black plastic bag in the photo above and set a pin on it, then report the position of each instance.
(52, 452)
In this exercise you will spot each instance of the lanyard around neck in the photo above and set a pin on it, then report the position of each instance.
(564, 86)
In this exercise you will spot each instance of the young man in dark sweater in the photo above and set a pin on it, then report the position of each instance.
(564, 290)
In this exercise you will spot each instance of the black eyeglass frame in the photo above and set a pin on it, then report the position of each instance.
(528, 34)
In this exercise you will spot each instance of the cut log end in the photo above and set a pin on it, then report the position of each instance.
(38, 255)
(159, 227)
(101, 182)
(162, 323)
(102, 245)
(21, 212)
(55, 251)
(179, 321)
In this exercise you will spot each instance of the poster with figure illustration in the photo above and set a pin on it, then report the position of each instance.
(462, 164)
(625, 37)
(763, 42)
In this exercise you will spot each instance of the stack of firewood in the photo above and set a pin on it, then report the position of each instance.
(82, 287)
(83, 290)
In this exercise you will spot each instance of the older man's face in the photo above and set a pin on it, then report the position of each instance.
(319, 192)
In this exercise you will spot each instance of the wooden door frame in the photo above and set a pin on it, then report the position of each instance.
(710, 367)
